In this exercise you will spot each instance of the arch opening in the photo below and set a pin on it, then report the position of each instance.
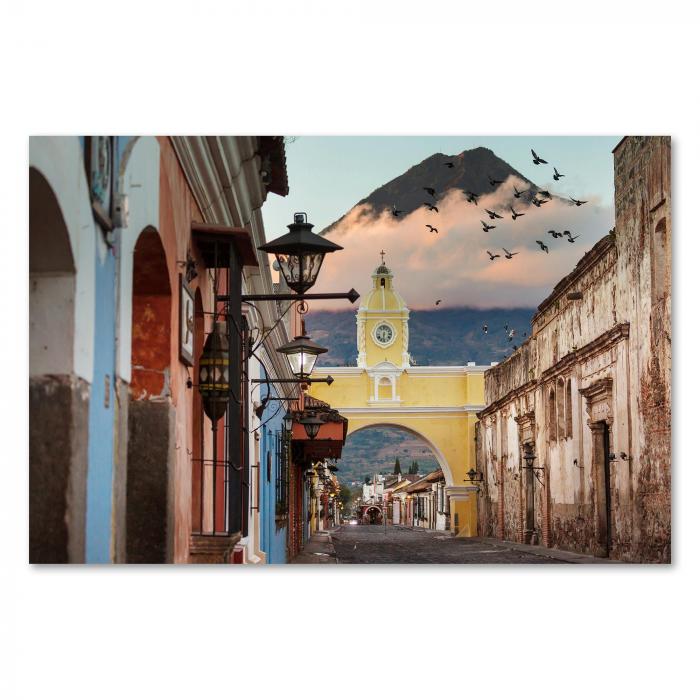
(58, 403)
(51, 282)
(151, 419)
(389, 442)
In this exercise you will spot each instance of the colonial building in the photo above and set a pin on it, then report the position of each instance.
(140, 248)
(574, 446)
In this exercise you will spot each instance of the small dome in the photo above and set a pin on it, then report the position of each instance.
(382, 270)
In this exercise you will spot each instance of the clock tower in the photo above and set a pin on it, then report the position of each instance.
(382, 324)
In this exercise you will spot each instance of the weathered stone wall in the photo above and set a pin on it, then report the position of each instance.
(643, 228)
(149, 487)
(58, 415)
(599, 360)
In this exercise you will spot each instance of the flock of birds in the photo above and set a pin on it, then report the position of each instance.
(510, 334)
(539, 198)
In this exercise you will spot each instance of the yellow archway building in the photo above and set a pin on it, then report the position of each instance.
(436, 403)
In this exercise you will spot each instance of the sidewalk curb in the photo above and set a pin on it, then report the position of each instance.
(549, 552)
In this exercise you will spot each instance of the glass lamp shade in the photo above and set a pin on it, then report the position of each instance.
(311, 425)
(300, 254)
(287, 421)
(213, 373)
(529, 457)
(302, 354)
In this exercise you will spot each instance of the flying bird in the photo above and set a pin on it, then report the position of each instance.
(571, 238)
(543, 246)
(546, 194)
(577, 202)
(509, 255)
(438, 302)
(517, 194)
(555, 234)
(485, 327)
(539, 202)
(450, 165)
(492, 256)
(471, 197)
(495, 182)
(557, 174)
(431, 207)
(515, 214)
(492, 214)
(536, 159)
(432, 228)
(430, 191)
(486, 227)
(396, 211)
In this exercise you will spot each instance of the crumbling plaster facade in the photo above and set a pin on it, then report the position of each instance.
(590, 391)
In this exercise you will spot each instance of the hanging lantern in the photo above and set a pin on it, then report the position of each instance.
(311, 424)
(300, 254)
(213, 373)
(302, 354)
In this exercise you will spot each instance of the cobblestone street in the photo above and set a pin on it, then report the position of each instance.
(372, 544)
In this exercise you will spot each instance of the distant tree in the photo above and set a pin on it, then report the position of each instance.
(345, 494)
(413, 469)
(397, 466)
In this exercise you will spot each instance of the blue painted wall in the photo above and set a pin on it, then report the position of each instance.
(273, 537)
(101, 419)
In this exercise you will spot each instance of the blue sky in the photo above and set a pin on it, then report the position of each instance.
(328, 175)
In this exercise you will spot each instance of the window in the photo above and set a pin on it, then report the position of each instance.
(561, 409)
(281, 473)
(569, 410)
(660, 264)
(552, 415)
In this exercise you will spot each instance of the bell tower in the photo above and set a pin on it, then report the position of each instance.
(382, 323)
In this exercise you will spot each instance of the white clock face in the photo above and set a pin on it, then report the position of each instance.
(384, 333)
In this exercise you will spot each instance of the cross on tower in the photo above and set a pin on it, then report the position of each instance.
(382, 253)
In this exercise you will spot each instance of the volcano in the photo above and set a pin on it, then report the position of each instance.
(472, 172)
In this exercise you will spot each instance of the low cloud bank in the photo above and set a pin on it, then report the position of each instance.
(452, 265)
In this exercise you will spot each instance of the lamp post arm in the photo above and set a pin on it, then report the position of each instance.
(352, 296)
(327, 380)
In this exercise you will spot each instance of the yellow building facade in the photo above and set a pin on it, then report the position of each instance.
(436, 403)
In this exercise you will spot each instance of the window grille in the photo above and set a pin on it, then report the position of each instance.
(282, 448)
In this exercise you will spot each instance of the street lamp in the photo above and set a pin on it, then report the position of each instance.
(529, 456)
(300, 253)
(213, 373)
(311, 424)
(301, 354)
(472, 474)
(287, 421)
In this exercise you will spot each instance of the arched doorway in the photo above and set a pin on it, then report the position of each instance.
(58, 399)
(381, 464)
(373, 515)
(151, 419)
